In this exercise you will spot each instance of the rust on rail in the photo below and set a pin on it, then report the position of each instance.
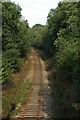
(32, 108)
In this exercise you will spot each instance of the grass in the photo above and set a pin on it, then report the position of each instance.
(17, 95)
(22, 96)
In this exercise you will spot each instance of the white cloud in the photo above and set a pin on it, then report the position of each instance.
(36, 11)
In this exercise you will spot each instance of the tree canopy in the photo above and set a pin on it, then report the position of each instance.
(61, 41)
(15, 43)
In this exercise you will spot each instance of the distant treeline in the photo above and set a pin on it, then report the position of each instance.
(15, 40)
(60, 40)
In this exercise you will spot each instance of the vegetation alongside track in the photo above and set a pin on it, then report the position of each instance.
(60, 42)
(15, 43)
(15, 94)
(15, 50)
(15, 97)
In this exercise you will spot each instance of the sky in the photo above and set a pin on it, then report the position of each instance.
(36, 11)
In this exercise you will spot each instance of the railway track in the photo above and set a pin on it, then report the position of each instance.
(34, 107)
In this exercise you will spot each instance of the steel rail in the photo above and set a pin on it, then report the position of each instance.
(40, 97)
(31, 89)
(36, 65)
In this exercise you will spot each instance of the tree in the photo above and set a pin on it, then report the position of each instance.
(15, 39)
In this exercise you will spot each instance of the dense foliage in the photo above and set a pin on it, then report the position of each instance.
(37, 33)
(61, 41)
(15, 43)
